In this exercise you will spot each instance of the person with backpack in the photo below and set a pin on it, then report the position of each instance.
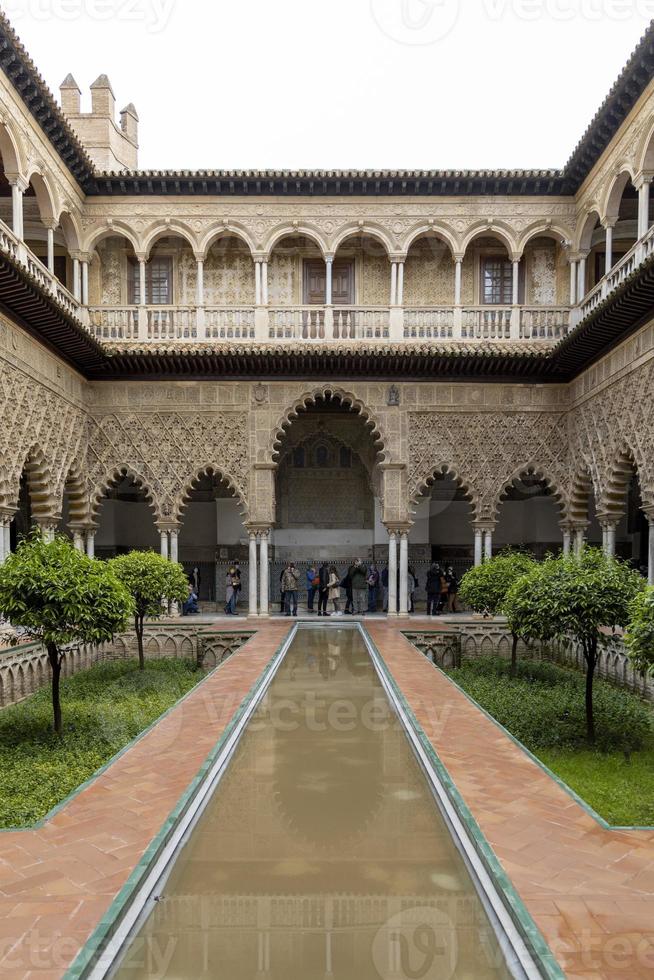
(359, 579)
(290, 582)
(323, 589)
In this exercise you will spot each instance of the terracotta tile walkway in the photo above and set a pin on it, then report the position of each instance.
(591, 891)
(57, 882)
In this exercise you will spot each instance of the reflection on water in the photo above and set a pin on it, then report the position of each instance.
(322, 852)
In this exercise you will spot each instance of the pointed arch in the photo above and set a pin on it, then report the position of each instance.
(328, 392)
(533, 470)
(114, 476)
(210, 469)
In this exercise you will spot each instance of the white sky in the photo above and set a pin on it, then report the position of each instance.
(344, 83)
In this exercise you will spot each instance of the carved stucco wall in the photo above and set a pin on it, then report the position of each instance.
(165, 434)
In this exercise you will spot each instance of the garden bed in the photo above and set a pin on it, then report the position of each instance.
(104, 708)
(543, 707)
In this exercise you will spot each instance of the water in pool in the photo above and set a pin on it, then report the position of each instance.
(322, 852)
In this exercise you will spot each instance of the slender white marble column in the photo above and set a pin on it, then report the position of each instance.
(392, 573)
(263, 574)
(6, 536)
(77, 291)
(90, 544)
(174, 545)
(650, 552)
(329, 264)
(579, 540)
(608, 265)
(643, 208)
(567, 541)
(488, 543)
(573, 283)
(163, 543)
(51, 250)
(3, 543)
(78, 541)
(257, 282)
(85, 283)
(581, 278)
(142, 289)
(18, 188)
(458, 264)
(479, 547)
(404, 574)
(253, 607)
(608, 533)
(199, 285)
(516, 282)
(393, 283)
(400, 283)
(264, 283)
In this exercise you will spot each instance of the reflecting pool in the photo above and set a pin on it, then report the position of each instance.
(322, 852)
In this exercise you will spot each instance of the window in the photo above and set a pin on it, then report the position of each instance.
(346, 458)
(496, 281)
(322, 456)
(298, 458)
(158, 282)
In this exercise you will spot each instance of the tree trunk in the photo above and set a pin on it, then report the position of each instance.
(590, 652)
(55, 667)
(514, 655)
(138, 626)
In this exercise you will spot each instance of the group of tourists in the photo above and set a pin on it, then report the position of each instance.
(361, 587)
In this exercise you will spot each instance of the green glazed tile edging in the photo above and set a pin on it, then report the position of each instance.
(38, 824)
(514, 905)
(534, 758)
(98, 939)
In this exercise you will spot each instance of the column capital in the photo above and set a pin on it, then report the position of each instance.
(516, 256)
(398, 527)
(643, 177)
(168, 526)
(397, 257)
(329, 256)
(484, 525)
(200, 256)
(609, 223)
(17, 180)
(254, 528)
(458, 256)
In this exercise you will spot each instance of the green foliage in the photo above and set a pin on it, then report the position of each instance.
(485, 587)
(572, 596)
(640, 633)
(151, 580)
(107, 706)
(60, 596)
(544, 705)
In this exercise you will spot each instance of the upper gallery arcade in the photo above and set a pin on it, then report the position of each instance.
(214, 343)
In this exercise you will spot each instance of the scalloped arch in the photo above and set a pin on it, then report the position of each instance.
(182, 500)
(113, 476)
(529, 469)
(444, 468)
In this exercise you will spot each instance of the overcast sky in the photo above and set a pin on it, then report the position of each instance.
(345, 83)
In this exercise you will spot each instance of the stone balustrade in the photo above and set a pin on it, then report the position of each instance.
(24, 669)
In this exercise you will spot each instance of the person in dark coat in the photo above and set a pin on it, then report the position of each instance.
(323, 589)
(434, 590)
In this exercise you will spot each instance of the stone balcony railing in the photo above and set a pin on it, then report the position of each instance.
(15, 249)
(322, 324)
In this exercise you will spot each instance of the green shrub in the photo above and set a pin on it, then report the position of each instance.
(544, 707)
(107, 706)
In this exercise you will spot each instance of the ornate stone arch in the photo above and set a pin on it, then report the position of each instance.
(78, 501)
(612, 500)
(545, 229)
(70, 229)
(444, 468)
(286, 230)
(114, 229)
(113, 476)
(437, 229)
(644, 152)
(622, 176)
(320, 393)
(539, 472)
(216, 231)
(40, 483)
(215, 469)
(578, 501)
(369, 228)
(499, 229)
(11, 148)
(170, 227)
(46, 196)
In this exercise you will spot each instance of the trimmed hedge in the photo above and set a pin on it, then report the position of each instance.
(543, 706)
(106, 707)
